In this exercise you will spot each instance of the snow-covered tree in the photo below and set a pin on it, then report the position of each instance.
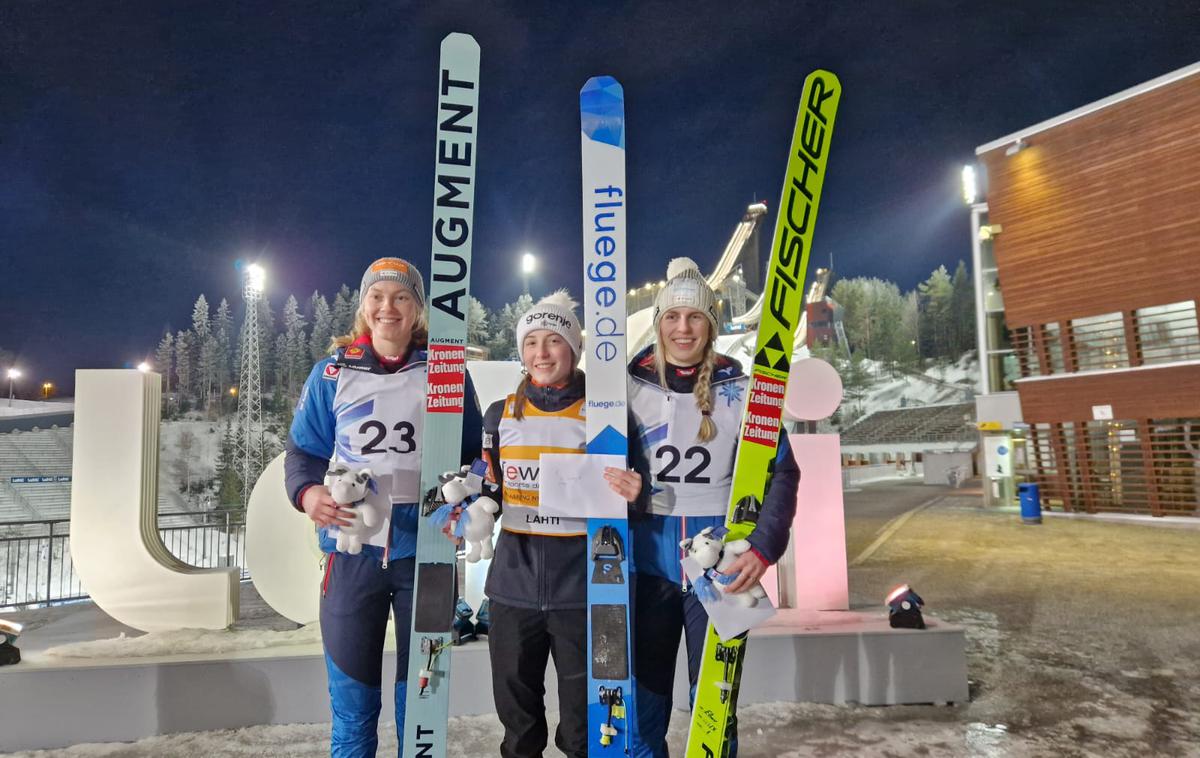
(322, 327)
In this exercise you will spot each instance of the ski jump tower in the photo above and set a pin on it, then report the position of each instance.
(249, 429)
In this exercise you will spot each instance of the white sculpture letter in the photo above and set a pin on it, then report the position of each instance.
(115, 545)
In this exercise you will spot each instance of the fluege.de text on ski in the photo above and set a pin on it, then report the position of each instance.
(607, 202)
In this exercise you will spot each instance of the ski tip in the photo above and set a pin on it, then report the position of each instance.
(460, 41)
(602, 111)
(827, 80)
(603, 82)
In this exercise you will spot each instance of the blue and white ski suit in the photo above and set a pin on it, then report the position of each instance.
(690, 484)
(357, 410)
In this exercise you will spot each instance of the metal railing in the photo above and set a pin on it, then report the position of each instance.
(35, 556)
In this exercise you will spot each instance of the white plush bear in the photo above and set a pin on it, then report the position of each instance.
(715, 557)
(478, 518)
(348, 488)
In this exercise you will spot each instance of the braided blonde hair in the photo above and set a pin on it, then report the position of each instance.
(702, 391)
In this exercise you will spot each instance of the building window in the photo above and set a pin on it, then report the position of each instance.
(1052, 336)
(1168, 332)
(1099, 342)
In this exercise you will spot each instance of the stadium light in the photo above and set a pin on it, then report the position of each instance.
(528, 265)
(970, 187)
(256, 277)
(13, 375)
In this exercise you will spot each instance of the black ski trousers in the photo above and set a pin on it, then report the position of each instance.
(520, 641)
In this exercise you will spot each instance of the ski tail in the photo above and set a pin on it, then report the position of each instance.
(427, 700)
(721, 665)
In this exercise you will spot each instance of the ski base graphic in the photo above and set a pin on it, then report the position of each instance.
(715, 706)
(610, 667)
(427, 705)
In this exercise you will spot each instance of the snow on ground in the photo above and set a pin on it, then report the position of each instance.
(188, 641)
(34, 407)
(764, 728)
(177, 460)
(950, 383)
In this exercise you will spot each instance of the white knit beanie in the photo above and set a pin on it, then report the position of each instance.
(686, 287)
(555, 312)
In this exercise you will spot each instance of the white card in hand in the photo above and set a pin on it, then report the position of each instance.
(574, 486)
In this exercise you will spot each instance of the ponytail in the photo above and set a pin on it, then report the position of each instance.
(519, 398)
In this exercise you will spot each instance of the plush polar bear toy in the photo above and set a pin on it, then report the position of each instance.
(348, 488)
(477, 522)
(715, 557)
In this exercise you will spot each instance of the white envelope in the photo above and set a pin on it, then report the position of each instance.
(574, 486)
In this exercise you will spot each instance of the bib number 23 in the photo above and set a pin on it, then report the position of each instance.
(376, 446)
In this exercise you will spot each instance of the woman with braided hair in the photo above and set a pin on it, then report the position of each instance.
(687, 400)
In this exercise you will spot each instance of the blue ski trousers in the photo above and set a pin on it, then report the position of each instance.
(663, 609)
(356, 595)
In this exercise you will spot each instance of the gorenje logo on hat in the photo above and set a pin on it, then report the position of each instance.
(548, 316)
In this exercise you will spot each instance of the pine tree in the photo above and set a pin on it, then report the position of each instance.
(229, 484)
(937, 293)
(164, 358)
(222, 327)
(184, 364)
(295, 355)
(963, 308)
(267, 345)
(502, 346)
(477, 323)
(204, 351)
(344, 305)
(322, 327)
(280, 367)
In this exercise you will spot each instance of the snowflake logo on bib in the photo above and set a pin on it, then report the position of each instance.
(732, 392)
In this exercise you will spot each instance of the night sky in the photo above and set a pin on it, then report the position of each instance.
(146, 147)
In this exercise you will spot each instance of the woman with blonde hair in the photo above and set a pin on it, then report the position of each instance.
(687, 401)
(364, 407)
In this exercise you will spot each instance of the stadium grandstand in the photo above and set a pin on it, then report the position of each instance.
(906, 434)
(35, 474)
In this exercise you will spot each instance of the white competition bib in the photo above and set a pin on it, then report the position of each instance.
(378, 424)
(521, 446)
(688, 477)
